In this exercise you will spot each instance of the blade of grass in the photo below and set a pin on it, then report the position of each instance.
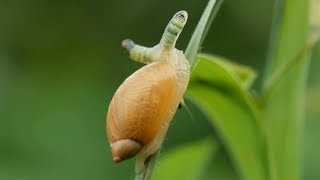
(150, 165)
(276, 77)
(202, 30)
(284, 107)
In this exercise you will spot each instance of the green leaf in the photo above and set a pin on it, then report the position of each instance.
(284, 105)
(202, 29)
(244, 75)
(217, 90)
(187, 162)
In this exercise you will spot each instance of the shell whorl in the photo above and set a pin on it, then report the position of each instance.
(124, 149)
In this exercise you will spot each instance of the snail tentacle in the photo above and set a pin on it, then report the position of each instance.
(167, 43)
(173, 30)
(138, 53)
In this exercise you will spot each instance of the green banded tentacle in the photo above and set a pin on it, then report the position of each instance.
(173, 30)
(137, 52)
(147, 55)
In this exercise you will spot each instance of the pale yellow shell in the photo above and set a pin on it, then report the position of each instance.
(141, 103)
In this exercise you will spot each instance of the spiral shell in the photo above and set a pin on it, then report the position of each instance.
(139, 106)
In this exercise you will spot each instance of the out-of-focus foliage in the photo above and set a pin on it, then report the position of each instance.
(190, 161)
(60, 63)
(227, 104)
(284, 107)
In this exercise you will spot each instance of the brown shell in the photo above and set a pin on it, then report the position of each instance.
(141, 103)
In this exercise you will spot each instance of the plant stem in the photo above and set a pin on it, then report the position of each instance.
(201, 30)
(276, 77)
(149, 166)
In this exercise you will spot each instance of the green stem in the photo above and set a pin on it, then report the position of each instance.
(149, 167)
(201, 30)
(276, 77)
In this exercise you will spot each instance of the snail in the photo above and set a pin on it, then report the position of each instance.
(142, 108)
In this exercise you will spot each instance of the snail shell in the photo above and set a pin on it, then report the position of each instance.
(139, 107)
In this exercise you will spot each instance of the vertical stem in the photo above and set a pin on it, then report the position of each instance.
(284, 106)
(201, 30)
(150, 166)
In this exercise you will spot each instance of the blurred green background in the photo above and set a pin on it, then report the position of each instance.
(61, 62)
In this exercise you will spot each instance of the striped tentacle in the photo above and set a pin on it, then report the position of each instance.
(173, 30)
(138, 53)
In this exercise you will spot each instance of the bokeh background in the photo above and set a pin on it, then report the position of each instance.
(61, 62)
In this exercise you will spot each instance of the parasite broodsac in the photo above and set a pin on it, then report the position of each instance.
(142, 108)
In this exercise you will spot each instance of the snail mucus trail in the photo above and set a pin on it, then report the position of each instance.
(142, 108)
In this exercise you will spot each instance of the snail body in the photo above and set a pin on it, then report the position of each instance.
(144, 105)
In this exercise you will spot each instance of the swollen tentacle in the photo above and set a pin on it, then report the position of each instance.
(173, 30)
